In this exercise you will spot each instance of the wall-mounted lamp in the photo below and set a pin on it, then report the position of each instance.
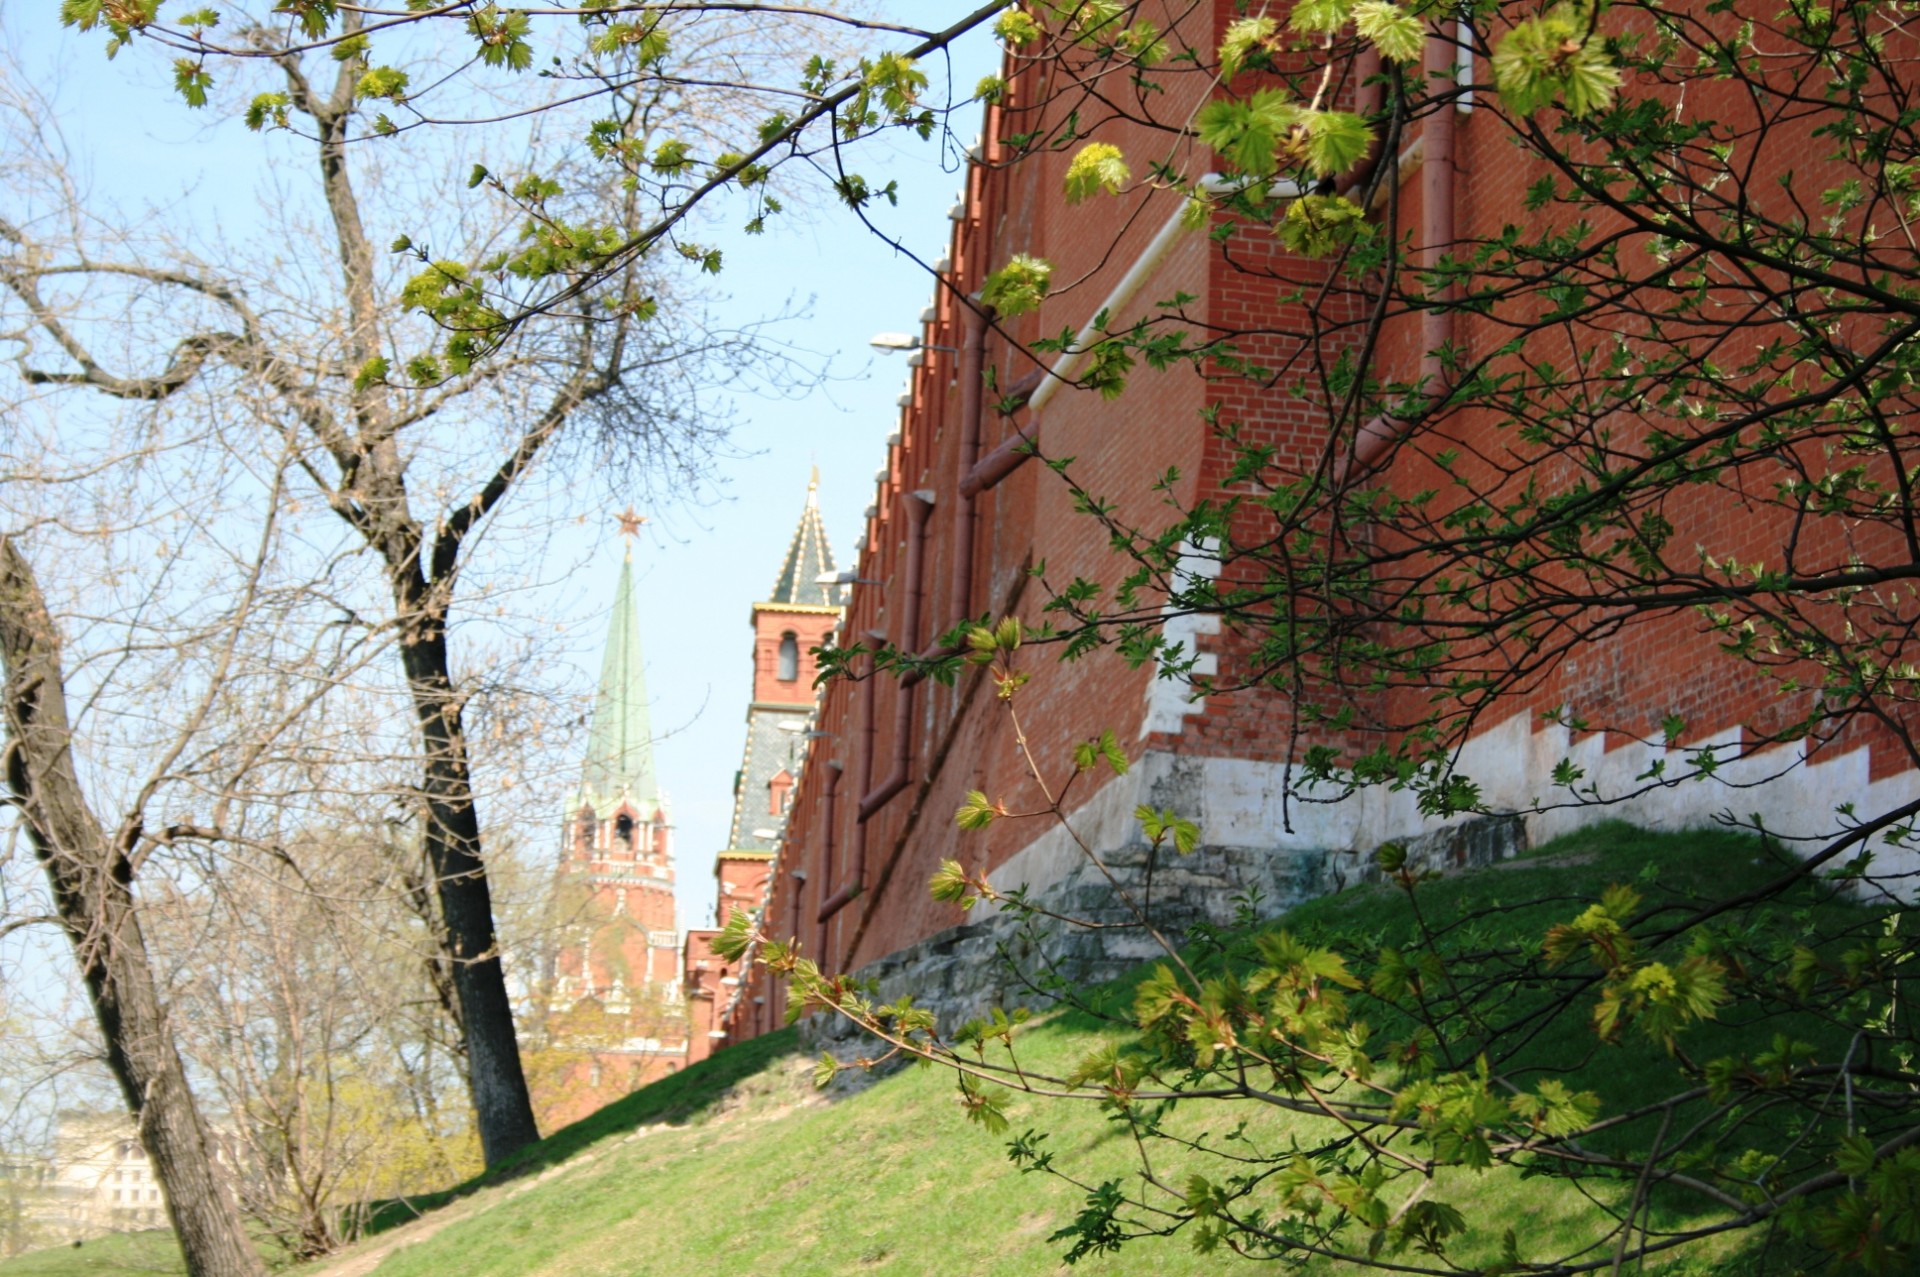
(889, 343)
(842, 578)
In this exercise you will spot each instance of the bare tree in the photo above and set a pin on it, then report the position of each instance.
(302, 1001)
(412, 454)
(90, 871)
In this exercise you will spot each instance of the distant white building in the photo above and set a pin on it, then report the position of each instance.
(101, 1180)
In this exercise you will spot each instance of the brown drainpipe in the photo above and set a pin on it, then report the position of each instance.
(918, 506)
(965, 516)
(1010, 455)
(799, 880)
(1436, 202)
(834, 770)
(1437, 234)
(868, 701)
(1366, 104)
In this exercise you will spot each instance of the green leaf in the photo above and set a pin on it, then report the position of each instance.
(1398, 35)
(949, 883)
(1019, 286)
(670, 156)
(1016, 27)
(192, 80)
(1854, 1157)
(429, 290)
(502, 38)
(1555, 56)
(84, 14)
(371, 373)
(382, 82)
(987, 1112)
(1318, 225)
(268, 108)
(731, 941)
(1249, 131)
(1186, 835)
(1336, 141)
(1241, 39)
(1097, 167)
(1320, 15)
(977, 812)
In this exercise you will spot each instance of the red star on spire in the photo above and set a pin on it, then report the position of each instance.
(630, 522)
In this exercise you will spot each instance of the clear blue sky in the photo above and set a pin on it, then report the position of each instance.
(706, 555)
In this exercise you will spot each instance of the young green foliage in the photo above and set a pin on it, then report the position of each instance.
(1097, 167)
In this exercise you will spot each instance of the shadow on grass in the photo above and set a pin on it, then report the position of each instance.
(678, 1098)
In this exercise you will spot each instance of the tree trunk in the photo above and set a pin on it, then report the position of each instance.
(91, 878)
(502, 1108)
(373, 498)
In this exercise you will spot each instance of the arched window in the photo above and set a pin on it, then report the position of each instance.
(623, 830)
(789, 657)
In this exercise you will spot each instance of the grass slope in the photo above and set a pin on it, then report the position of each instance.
(893, 1180)
(738, 1165)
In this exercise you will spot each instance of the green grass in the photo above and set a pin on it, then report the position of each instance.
(894, 1180)
(684, 1096)
(149, 1254)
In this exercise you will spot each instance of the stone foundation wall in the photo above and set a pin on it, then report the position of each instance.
(962, 971)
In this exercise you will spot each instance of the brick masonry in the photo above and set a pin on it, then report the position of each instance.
(1227, 761)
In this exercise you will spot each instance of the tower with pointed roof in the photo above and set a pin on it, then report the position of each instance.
(787, 625)
(616, 1017)
(796, 617)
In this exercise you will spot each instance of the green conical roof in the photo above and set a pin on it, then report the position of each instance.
(620, 748)
(808, 558)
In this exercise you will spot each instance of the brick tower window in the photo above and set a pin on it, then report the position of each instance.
(623, 830)
(789, 657)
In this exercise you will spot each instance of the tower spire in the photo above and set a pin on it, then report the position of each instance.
(808, 558)
(619, 760)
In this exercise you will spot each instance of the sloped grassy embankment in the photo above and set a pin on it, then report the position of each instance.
(738, 1165)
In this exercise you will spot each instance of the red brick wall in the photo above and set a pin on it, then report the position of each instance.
(1283, 313)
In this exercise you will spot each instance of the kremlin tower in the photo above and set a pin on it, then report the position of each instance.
(616, 1019)
(799, 613)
